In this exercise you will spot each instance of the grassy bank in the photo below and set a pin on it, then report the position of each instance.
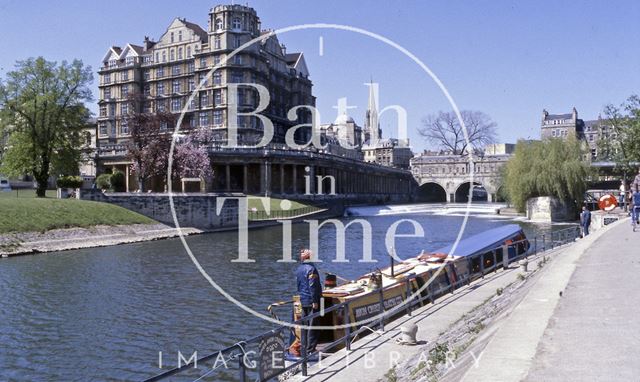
(41, 214)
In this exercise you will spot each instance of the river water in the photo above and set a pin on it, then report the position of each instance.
(106, 313)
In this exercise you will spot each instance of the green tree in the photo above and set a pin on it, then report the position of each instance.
(42, 110)
(553, 167)
(620, 135)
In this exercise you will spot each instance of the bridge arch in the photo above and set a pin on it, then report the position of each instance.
(432, 192)
(479, 194)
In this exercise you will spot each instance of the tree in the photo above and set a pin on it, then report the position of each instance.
(150, 141)
(620, 135)
(445, 131)
(42, 110)
(190, 156)
(553, 167)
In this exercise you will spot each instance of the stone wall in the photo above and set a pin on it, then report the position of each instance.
(549, 209)
(192, 210)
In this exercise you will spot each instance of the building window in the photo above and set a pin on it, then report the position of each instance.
(124, 127)
(125, 75)
(192, 84)
(217, 97)
(103, 111)
(175, 104)
(164, 56)
(241, 97)
(236, 77)
(107, 93)
(237, 59)
(160, 106)
(113, 129)
(106, 78)
(218, 24)
(236, 42)
(203, 62)
(171, 36)
(125, 91)
(188, 52)
(147, 75)
(179, 36)
(216, 42)
(217, 117)
(164, 126)
(217, 78)
(160, 88)
(179, 53)
(216, 60)
(204, 99)
(129, 60)
(176, 86)
(160, 72)
(102, 127)
(236, 23)
(204, 119)
(191, 67)
(147, 90)
(172, 55)
(192, 105)
(112, 110)
(157, 57)
(175, 70)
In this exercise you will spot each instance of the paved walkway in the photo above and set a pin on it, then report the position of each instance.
(591, 333)
(594, 334)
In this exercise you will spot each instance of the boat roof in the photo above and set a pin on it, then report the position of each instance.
(483, 241)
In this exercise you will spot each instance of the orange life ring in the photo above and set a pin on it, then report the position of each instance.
(607, 202)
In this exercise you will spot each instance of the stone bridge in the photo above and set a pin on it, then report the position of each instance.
(447, 178)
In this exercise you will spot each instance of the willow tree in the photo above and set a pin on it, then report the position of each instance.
(553, 167)
(43, 113)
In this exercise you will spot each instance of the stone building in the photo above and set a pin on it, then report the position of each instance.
(563, 125)
(167, 71)
(389, 152)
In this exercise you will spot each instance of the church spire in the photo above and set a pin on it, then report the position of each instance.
(372, 124)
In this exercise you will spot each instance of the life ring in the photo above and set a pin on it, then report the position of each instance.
(607, 202)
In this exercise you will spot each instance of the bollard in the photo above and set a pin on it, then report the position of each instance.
(524, 265)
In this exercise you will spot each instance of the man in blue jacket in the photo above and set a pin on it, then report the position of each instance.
(310, 291)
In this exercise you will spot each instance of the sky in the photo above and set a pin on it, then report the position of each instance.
(508, 59)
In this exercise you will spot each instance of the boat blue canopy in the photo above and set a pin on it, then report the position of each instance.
(483, 241)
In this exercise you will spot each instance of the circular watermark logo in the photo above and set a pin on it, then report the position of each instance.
(423, 67)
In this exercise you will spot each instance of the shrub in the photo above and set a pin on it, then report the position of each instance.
(69, 182)
(118, 183)
(104, 181)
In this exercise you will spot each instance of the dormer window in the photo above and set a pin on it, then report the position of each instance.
(129, 60)
(237, 24)
(112, 63)
(218, 24)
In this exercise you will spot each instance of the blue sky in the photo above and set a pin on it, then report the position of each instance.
(509, 59)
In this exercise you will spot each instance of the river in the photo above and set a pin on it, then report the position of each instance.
(106, 313)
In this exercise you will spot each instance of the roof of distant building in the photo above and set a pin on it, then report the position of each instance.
(196, 28)
(292, 58)
(558, 116)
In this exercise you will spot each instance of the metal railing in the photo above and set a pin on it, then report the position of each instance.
(238, 351)
(261, 215)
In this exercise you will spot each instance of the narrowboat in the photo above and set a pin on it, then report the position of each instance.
(431, 274)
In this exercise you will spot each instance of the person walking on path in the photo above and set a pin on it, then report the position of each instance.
(635, 186)
(585, 221)
(623, 196)
(310, 291)
(635, 207)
